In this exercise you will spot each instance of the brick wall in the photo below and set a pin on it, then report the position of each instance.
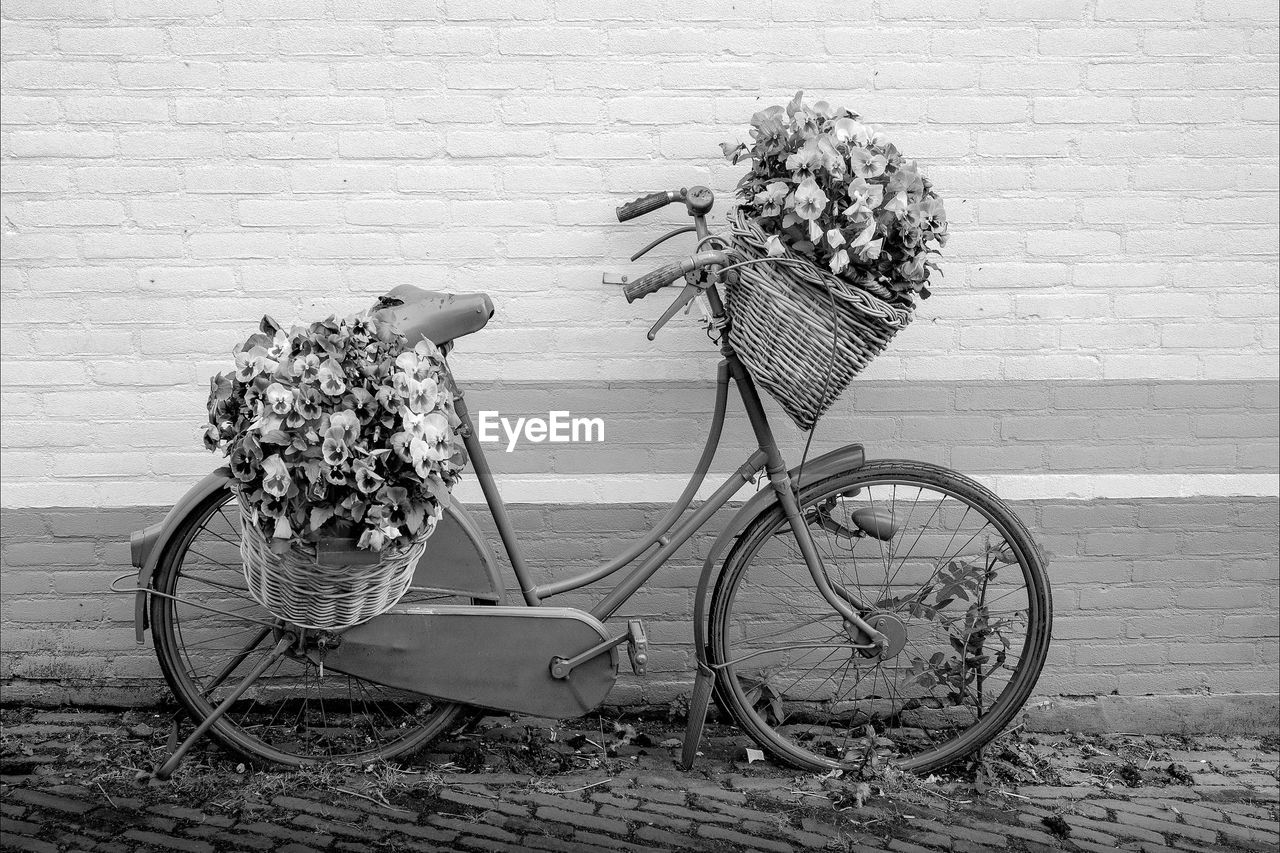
(1104, 343)
(1157, 601)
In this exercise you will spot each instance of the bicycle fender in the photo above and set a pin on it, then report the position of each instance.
(146, 545)
(849, 456)
(458, 558)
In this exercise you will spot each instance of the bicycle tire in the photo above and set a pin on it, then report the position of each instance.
(755, 592)
(295, 715)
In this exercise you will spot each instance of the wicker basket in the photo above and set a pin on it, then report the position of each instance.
(783, 325)
(310, 591)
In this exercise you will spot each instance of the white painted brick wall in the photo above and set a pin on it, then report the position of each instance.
(172, 170)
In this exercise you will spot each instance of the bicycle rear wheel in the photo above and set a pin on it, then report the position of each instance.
(295, 714)
(933, 560)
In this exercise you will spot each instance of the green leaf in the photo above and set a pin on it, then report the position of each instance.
(319, 515)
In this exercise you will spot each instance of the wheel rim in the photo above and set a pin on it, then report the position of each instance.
(294, 714)
(953, 588)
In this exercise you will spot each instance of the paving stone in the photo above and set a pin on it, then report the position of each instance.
(807, 840)
(312, 807)
(489, 844)
(527, 824)
(232, 840)
(606, 842)
(742, 839)
(26, 843)
(463, 827)
(714, 793)
(12, 809)
(661, 836)
(286, 833)
(464, 798)
(1244, 833)
(1091, 830)
(576, 819)
(51, 801)
(189, 814)
(906, 846)
(1166, 826)
(615, 800)
(425, 832)
(556, 802)
(168, 842)
(647, 818)
(562, 845)
(675, 798)
(331, 827)
(1029, 834)
(21, 827)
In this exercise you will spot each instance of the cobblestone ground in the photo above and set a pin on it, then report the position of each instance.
(68, 781)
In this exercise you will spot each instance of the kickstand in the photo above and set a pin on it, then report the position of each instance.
(164, 771)
(702, 687)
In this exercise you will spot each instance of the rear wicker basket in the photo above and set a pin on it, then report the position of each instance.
(308, 591)
(786, 317)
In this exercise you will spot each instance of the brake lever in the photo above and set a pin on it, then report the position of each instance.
(690, 292)
(664, 238)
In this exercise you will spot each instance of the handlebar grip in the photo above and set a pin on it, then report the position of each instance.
(651, 282)
(644, 204)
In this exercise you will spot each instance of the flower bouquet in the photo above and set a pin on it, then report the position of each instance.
(342, 448)
(840, 230)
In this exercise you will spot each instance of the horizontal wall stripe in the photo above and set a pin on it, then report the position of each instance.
(636, 489)
(1037, 438)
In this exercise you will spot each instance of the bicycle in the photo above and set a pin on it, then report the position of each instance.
(890, 610)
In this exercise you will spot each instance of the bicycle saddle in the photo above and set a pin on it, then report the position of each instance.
(438, 317)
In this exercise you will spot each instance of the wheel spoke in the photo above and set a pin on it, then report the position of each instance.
(961, 626)
(292, 715)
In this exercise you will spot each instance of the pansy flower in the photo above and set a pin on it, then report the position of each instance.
(334, 449)
(423, 394)
(407, 362)
(275, 476)
(367, 480)
(332, 379)
(279, 399)
(249, 363)
(306, 368)
(810, 199)
(347, 425)
(308, 404)
(866, 164)
(772, 197)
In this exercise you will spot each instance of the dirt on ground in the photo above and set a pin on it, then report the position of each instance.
(608, 782)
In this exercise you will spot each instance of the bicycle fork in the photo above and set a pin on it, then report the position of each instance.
(864, 635)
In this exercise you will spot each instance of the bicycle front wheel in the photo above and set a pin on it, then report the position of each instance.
(931, 559)
(295, 714)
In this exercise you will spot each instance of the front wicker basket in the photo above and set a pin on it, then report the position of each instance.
(783, 326)
(308, 593)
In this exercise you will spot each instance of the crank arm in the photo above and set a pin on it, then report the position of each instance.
(638, 649)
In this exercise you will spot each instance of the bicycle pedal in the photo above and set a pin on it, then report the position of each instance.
(637, 646)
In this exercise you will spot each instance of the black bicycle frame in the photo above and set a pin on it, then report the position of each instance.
(667, 534)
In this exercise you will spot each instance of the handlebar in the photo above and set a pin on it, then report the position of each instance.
(654, 281)
(648, 204)
(698, 201)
